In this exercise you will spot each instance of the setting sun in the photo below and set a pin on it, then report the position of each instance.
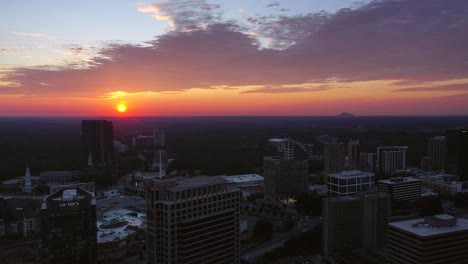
(121, 108)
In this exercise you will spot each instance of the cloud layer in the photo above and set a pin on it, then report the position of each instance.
(409, 41)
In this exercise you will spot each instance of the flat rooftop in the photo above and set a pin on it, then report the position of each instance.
(417, 226)
(396, 181)
(244, 178)
(199, 181)
(351, 174)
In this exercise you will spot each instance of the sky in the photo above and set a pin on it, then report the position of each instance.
(233, 57)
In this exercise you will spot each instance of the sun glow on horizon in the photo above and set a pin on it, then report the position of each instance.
(121, 108)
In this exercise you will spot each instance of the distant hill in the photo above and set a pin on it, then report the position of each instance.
(344, 114)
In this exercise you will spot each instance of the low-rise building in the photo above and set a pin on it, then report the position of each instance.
(436, 239)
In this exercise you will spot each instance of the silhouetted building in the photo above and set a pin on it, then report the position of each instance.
(435, 239)
(390, 159)
(159, 137)
(143, 141)
(284, 178)
(354, 222)
(192, 220)
(457, 145)
(353, 155)
(369, 161)
(69, 226)
(437, 153)
(401, 189)
(334, 156)
(349, 182)
(98, 143)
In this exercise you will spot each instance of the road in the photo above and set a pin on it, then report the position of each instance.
(279, 239)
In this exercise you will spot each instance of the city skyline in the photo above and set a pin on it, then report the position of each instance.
(215, 58)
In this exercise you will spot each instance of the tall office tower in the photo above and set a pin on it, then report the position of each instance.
(349, 182)
(368, 161)
(390, 159)
(457, 146)
(159, 137)
(98, 142)
(334, 156)
(285, 176)
(401, 189)
(353, 154)
(437, 149)
(435, 239)
(69, 226)
(192, 220)
(354, 222)
(27, 181)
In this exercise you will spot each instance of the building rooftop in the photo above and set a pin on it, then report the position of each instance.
(351, 174)
(422, 228)
(244, 178)
(119, 224)
(399, 180)
(199, 181)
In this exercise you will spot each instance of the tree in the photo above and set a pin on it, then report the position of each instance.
(263, 229)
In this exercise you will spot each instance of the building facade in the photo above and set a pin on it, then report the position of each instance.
(437, 153)
(368, 161)
(69, 226)
(334, 156)
(435, 239)
(390, 159)
(354, 222)
(98, 143)
(401, 189)
(353, 154)
(284, 178)
(349, 182)
(159, 136)
(457, 146)
(192, 220)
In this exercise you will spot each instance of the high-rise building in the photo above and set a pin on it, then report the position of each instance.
(354, 222)
(437, 149)
(334, 156)
(69, 226)
(98, 143)
(192, 220)
(159, 137)
(390, 159)
(353, 154)
(368, 161)
(284, 178)
(457, 146)
(435, 239)
(27, 181)
(349, 182)
(401, 189)
(142, 141)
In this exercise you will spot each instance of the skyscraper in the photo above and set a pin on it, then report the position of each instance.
(401, 189)
(98, 143)
(390, 159)
(354, 222)
(368, 161)
(192, 220)
(457, 145)
(284, 178)
(159, 137)
(69, 226)
(437, 149)
(334, 156)
(349, 182)
(353, 154)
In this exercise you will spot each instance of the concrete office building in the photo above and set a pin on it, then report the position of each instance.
(438, 239)
(69, 226)
(437, 153)
(284, 178)
(159, 136)
(353, 154)
(349, 182)
(390, 159)
(192, 220)
(401, 189)
(334, 156)
(354, 222)
(457, 146)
